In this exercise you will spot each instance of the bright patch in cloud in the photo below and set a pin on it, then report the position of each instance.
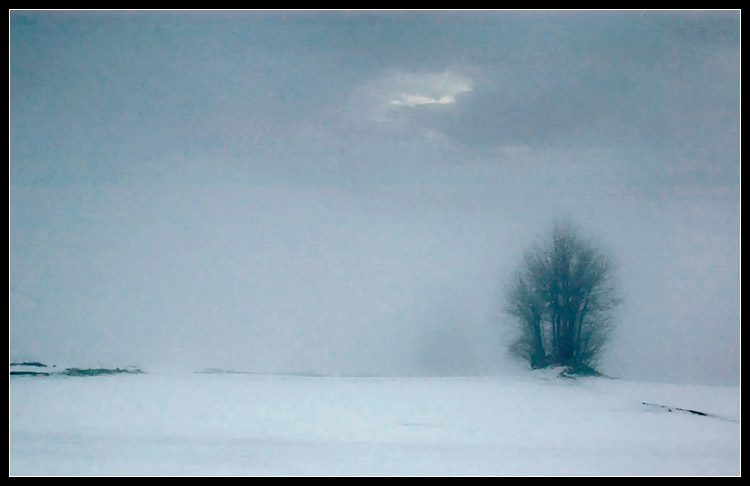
(400, 89)
(408, 89)
(381, 99)
(415, 100)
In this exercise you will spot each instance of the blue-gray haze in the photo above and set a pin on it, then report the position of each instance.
(347, 192)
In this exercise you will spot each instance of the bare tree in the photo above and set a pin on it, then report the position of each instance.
(562, 298)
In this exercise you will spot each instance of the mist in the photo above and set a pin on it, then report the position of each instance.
(346, 193)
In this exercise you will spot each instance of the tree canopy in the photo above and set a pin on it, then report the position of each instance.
(562, 299)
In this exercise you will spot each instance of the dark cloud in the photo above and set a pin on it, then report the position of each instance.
(665, 83)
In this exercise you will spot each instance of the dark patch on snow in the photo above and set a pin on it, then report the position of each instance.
(670, 409)
(39, 369)
(100, 371)
(30, 363)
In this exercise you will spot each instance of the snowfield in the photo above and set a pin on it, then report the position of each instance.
(224, 424)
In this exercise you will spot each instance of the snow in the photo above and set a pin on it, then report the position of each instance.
(223, 424)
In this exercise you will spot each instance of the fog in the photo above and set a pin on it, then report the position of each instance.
(347, 192)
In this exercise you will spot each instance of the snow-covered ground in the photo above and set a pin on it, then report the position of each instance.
(184, 423)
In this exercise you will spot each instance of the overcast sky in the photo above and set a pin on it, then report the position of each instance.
(345, 192)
